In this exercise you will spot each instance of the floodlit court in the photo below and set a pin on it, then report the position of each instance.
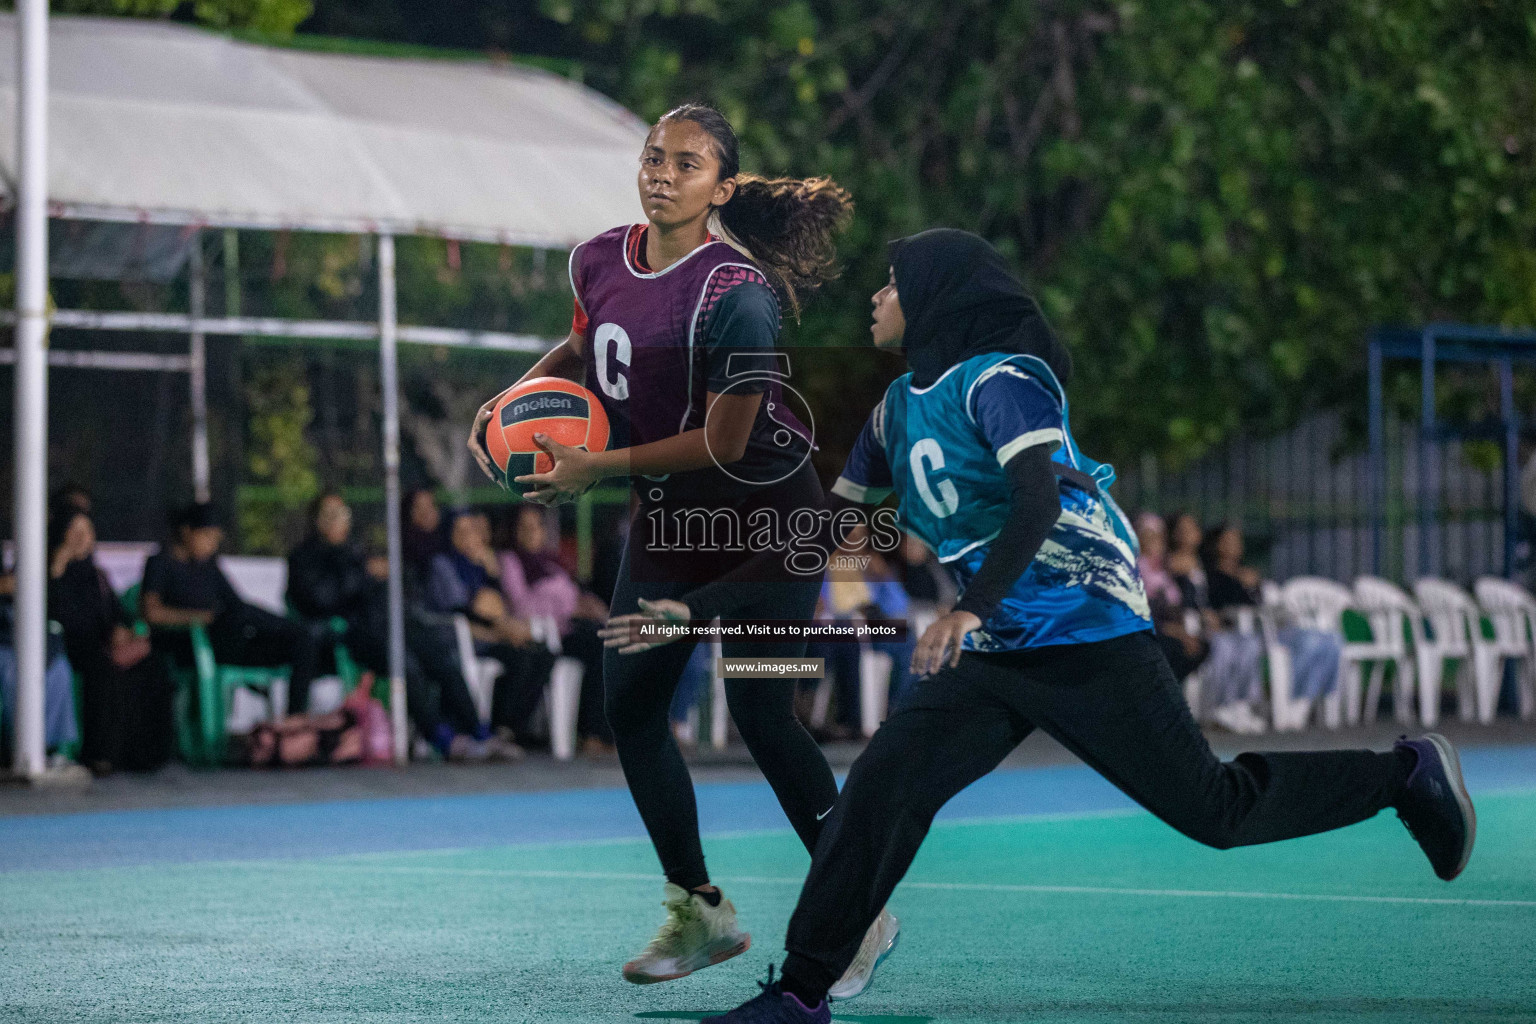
(1041, 895)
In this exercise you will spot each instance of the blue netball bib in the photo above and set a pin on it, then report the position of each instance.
(942, 449)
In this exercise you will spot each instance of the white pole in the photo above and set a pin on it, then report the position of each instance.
(199, 370)
(389, 380)
(31, 381)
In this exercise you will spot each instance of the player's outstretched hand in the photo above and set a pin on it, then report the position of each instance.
(940, 643)
(575, 471)
(616, 633)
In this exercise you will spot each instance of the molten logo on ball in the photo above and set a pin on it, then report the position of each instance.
(558, 408)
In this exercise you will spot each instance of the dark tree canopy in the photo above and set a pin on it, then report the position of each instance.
(1214, 199)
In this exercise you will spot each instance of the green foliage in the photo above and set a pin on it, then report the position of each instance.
(130, 8)
(277, 451)
(279, 17)
(313, 414)
(1214, 200)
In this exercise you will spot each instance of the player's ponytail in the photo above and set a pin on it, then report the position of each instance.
(786, 225)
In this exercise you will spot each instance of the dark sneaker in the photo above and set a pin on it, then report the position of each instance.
(774, 1006)
(1435, 805)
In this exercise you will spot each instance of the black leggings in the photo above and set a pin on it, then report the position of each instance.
(639, 691)
(1115, 705)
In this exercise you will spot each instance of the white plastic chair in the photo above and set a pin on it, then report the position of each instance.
(1285, 713)
(1194, 683)
(1512, 610)
(874, 684)
(480, 674)
(1313, 602)
(564, 697)
(1249, 621)
(1454, 631)
(1392, 616)
(875, 669)
(719, 710)
(874, 688)
(562, 694)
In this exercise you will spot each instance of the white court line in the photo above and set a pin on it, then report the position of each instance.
(752, 833)
(762, 833)
(1079, 890)
(759, 833)
(368, 858)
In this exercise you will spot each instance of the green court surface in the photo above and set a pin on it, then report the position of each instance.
(1095, 916)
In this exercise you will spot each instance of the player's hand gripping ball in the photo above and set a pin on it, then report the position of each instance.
(561, 409)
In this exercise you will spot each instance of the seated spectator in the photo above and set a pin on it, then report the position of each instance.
(423, 536)
(59, 726)
(1185, 651)
(329, 577)
(125, 695)
(183, 585)
(465, 581)
(1233, 675)
(1315, 654)
(535, 584)
(846, 595)
(889, 599)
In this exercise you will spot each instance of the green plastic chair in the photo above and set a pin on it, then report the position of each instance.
(347, 668)
(207, 686)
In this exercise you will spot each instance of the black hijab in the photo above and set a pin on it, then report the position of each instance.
(960, 300)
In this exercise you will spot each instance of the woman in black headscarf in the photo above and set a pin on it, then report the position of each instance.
(963, 301)
(1051, 631)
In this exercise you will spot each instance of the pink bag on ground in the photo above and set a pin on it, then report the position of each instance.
(373, 720)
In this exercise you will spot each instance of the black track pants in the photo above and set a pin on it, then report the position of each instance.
(639, 691)
(1115, 705)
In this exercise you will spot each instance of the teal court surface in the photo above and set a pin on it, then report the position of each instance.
(1041, 896)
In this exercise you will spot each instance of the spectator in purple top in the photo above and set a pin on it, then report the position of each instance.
(536, 585)
(1185, 652)
(466, 581)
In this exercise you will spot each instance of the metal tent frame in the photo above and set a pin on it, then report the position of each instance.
(610, 126)
(1431, 345)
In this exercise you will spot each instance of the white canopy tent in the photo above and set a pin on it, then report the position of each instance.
(165, 123)
(156, 123)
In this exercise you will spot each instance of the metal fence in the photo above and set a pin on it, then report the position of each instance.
(1302, 500)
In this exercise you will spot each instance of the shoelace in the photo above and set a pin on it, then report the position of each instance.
(766, 985)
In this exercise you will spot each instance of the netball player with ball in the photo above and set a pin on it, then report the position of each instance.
(660, 309)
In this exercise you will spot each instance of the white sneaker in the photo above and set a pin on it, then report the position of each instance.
(1256, 722)
(1239, 718)
(694, 935)
(878, 943)
(467, 750)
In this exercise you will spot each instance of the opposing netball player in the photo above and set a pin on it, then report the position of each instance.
(670, 316)
(1051, 630)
